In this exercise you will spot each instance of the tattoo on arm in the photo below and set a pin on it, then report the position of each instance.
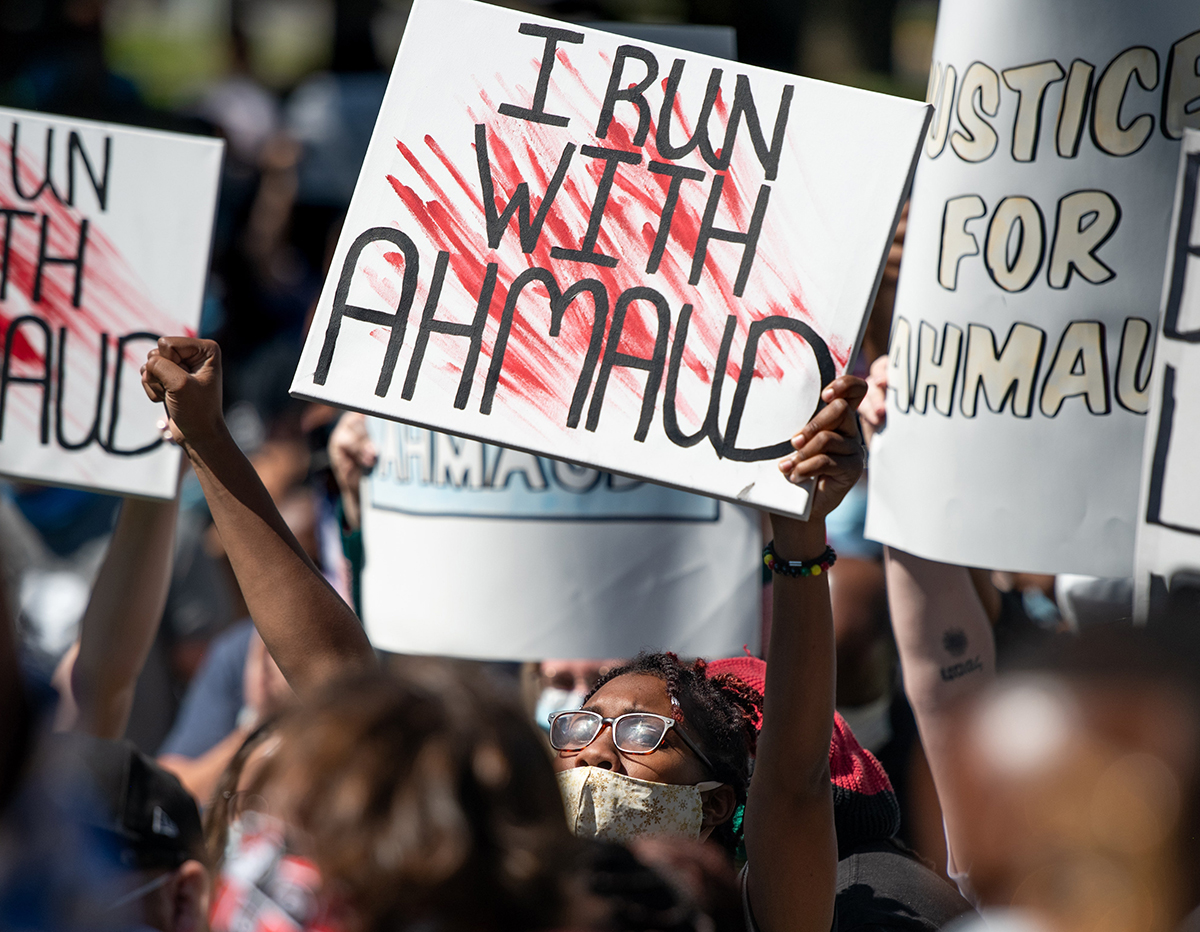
(955, 643)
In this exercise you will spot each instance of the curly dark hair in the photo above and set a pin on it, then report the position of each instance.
(721, 712)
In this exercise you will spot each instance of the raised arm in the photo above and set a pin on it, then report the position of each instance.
(312, 634)
(947, 652)
(122, 616)
(790, 840)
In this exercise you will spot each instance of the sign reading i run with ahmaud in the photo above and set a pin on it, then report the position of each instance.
(608, 251)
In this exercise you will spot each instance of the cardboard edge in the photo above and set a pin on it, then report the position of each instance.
(51, 482)
(905, 194)
(1189, 144)
(799, 515)
(103, 125)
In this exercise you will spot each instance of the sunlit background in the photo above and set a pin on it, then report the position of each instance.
(175, 50)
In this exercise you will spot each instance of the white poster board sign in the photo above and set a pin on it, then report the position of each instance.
(590, 564)
(1168, 539)
(1020, 353)
(559, 236)
(105, 233)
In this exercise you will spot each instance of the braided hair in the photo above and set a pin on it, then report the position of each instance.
(722, 714)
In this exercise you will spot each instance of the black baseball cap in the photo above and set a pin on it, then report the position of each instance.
(152, 818)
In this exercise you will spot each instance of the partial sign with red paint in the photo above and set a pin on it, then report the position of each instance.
(608, 251)
(105, 241)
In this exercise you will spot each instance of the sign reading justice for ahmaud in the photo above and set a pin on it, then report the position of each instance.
(1028, 295)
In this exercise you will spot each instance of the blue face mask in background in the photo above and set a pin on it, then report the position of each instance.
(555, 699)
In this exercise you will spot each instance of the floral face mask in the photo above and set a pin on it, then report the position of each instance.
(612, 806)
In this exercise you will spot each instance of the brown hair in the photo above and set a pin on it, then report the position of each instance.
(424, 798)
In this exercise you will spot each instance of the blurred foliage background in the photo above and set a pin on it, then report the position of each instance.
(173, 50)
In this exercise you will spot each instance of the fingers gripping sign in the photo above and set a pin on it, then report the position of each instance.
(829, 448)
(184, 374)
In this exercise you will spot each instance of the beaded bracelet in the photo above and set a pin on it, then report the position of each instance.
(798, 568)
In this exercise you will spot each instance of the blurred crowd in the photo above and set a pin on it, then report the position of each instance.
(1000, 742)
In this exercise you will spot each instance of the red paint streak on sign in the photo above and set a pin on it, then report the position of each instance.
(440, 192)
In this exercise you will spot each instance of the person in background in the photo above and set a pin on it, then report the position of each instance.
(352, 454)
(555, 685)
(1071, 783)
(238, 688)
(94, 834)
(146, 819)
(388, 803)
(232, 792)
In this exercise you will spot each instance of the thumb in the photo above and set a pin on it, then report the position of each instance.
(168, 374)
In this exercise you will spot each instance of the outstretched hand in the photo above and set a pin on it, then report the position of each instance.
(873, 409)
(185, 375)
(829, 448)
(352, 454)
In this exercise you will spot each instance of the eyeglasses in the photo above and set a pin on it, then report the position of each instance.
(632, 733)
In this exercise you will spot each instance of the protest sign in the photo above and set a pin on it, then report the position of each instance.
(1168, 539)
(1021, 340)
(591, 564)
(105, 235)
(560, 235)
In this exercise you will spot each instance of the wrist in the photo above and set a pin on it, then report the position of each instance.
(798, 540)
(798, 569)
(351, 512)
(202, 445)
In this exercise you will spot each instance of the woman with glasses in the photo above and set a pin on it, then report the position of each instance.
(652, 745)
(658, 746)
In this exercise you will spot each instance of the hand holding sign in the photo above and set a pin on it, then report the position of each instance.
(352, 453)
(829, 448)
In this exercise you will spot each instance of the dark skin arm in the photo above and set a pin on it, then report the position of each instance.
(312, 634)
(790, 840)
